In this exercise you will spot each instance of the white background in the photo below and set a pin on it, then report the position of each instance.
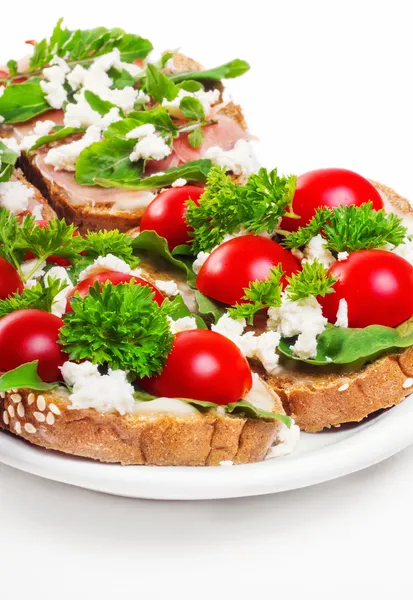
(330, 85)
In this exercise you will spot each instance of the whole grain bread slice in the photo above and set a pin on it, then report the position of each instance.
(204, 439)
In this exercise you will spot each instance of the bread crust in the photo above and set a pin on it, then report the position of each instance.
(45, 419)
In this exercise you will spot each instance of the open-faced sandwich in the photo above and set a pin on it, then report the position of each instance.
(187, 307)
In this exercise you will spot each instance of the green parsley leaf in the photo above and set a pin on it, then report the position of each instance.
(312, 280)
(303, 235)
(22, 102)
(57, 239)
(24, 377)
(9, 236)
(192, 108)
(8, 160)
(158, 85)
(120, 326)
(196, 137)
(259, 295)
(226, 207)
(229, 70)
(58, 134)
(38, 297)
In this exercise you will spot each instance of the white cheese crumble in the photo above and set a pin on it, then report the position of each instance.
(81, 114)
(182, 324)
(104, 393)
(41, 129)
(287, 439)
(303, 318)
(150, 144)
(343, 255)
(27, 267)
(64, 157)
(15, 196)
(342, 314)
(316, 250)
(11, 143)
(240, 160)
(59, 303)
(167, 287)
(108, 263)
(53, 83)
(198, 263)
(179, 182)
(207, 99)
(405, 250)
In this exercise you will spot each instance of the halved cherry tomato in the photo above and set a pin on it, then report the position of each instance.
(378, 288)
(166, 214)
(332, 188)
(233, 265)
(57, 260)
(202, 365)
(27, 335)
(10, 280)
(114, 277)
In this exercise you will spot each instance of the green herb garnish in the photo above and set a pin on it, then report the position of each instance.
(258, 296)
(312, 280)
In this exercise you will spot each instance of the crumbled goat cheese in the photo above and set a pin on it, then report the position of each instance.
(2, 119)
(108, 263)
(240, 160)
(53, 83)
(150, 144)
(182, 324)
(303, 318)
(27, 267)
(179, 182)
(261, 395)
(198, 263)
(167, 287)
(81, 114)
(11, 143)
(64, 157)
(59, 303)
(207, 99)
(105, 393)
(15, 196)
(342, 314)
(40, 129)
(343, 255)
(316, 250)
(405, 250)
(286, 441)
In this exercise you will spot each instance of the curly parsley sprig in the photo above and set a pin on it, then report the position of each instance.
(312, 280)
(350, 228)
(226, 207)
(259, 295)
(120, 326)
(39, 297)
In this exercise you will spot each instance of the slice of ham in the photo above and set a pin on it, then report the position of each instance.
(23, 129)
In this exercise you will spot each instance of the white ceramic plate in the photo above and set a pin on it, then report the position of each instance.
(318, 458)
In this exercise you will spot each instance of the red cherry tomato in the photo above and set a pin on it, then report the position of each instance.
(27, 335)
(166, 214)
(203, 365)
(114, 277)
(378, 288)
(10, 280)
(57, 260)
(329, 187)
(234, 264)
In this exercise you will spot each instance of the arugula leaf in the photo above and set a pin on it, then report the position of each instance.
(8, 160)
(12, 67)
(229, 70)
(312, 280)
(120, 326)
(121, 78)
(60, 134)
(345, 346)
(196, 137)
(259, 295)
(177, 309)
(190, 86)
(196, 170)
(207, 306)
(158, 85)
(249, 410)
(38, 297)
(159, 117)
(225, 207)
(106, 163)
(192, 108)
(24, 376)
(22, 102)
(96, 103)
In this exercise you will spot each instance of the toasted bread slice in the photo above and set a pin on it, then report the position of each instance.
(203, 439)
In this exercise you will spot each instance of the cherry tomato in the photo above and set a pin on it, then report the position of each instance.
(202, 365)
(329, 187)
(234, 264)
(114, 277)
(166, 214)
(57, 260)
(10, 280)
(27, 335)
(378, 288)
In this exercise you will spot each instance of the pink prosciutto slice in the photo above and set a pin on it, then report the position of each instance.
(23, 129)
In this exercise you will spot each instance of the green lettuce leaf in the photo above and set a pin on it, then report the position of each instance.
(108, 161)
(24, 376)
(22, 102)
